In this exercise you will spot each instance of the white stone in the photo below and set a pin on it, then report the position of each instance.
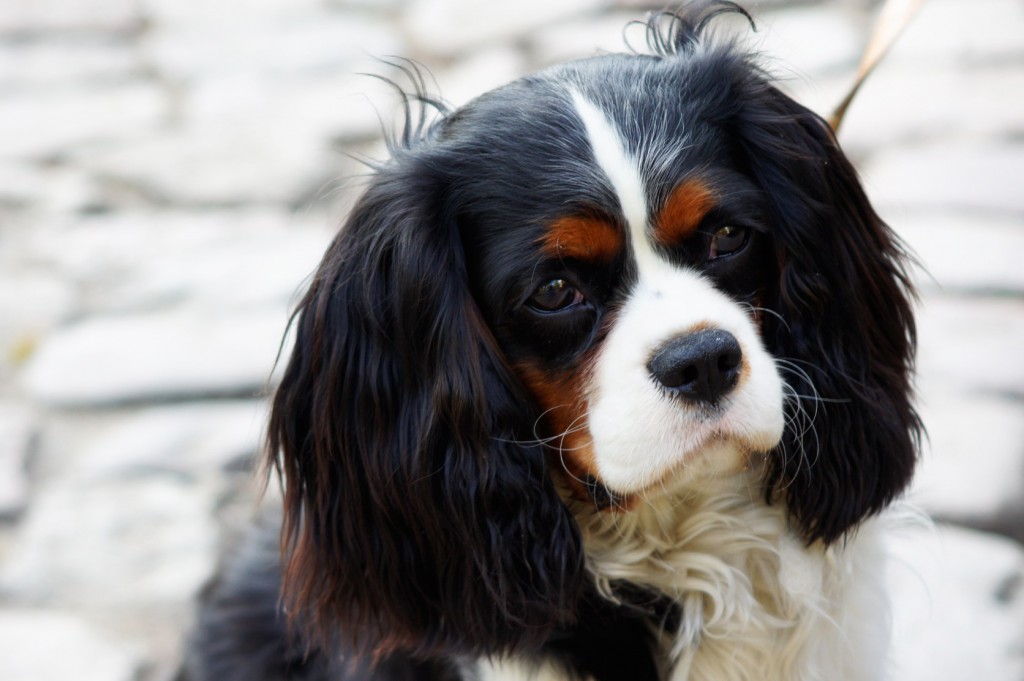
(142, 541)
(180, 353)
(371, 5)
(140, 261)
(479, 73)
(951, 32)
(289, 45)
(252, 161)
(959, 606)
(449, 28)
(31, 191)
(267, 269)
(946, 175)
(973, 343)
(48, 122)
(809, 40)
(917, 103)
(197, 440)
(325, 106)
(32, 302)
(43, 645)
(964, 251)
(174, 12)
(48, 64)
(39, 16)
(972, 466)
(17, 428)
(585, 37)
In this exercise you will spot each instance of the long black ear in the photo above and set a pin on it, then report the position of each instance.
(843, 329)
(416, 518)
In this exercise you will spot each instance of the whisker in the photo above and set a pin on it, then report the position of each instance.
(799, 419)
(538, 440)
(773, 313)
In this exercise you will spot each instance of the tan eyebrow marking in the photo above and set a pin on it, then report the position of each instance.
(583, 238)
(683, 211)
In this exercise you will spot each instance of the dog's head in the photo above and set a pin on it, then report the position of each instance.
(616, 278)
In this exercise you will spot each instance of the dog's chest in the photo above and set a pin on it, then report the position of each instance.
(754, 602)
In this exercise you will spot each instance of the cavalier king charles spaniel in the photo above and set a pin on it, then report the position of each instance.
(605, 377)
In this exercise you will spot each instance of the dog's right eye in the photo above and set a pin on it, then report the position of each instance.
(728, 240)
(554, 296)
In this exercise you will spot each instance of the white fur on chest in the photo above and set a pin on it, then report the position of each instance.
(757, 603)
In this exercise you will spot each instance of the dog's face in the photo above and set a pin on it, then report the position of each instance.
(621, 276)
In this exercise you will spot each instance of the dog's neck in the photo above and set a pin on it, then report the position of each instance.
(756, 602)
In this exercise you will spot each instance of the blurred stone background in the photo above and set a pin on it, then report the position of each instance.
(171, 170)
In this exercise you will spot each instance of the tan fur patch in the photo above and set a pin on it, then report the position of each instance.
(583, 238)
(571, 447)
(682, 212)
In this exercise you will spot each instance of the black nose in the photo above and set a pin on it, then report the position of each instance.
(699, 367)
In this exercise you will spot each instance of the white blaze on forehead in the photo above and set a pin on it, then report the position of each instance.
(621, 170)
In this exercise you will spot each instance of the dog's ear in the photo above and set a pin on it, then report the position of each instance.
(843, 329)
(416, 516)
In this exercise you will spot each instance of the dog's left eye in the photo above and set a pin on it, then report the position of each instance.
(555, 295)
(727, 240)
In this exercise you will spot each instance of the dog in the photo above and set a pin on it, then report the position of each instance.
(607, 376)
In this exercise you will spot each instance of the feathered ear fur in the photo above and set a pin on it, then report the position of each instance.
(415, 518)
(844, 330)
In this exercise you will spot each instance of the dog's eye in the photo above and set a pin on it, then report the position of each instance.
(555, 295)
(727, 240)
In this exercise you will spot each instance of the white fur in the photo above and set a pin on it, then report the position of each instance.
(758, 605)
(644, 437)
(623, 174)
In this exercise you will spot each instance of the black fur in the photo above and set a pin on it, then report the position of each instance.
(420, 522)
(407, 494)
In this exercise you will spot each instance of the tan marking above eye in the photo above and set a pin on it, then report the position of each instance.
(682, 212)
(582, 238)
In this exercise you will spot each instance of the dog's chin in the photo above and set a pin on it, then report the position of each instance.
(718, 460)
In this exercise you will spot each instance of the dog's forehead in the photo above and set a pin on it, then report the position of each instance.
(533, 145)
(656, 103)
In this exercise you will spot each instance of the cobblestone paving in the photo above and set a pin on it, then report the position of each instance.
(171, 170)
